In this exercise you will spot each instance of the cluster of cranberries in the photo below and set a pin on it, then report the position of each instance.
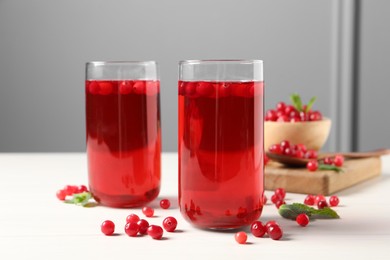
(69, 190)
(124, 87)
(293, 150)
(338, 161)
(136, 226)
(320, 201)
(288, 113)
(278, 197)
(258, 229)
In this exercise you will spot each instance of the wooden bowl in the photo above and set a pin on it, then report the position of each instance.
(313, 134)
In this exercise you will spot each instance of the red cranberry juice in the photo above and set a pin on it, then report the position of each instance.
(221, 153)
(123, 141)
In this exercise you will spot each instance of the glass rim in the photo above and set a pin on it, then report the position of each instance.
(122, 62)
(227, 61)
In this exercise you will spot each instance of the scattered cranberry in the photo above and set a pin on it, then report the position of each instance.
(310, 200)
(319, 197)
(274, 231)
(170, 224)
(132, 218)
(322, 204)
(258, 229)
(338, 160)
(334, 201)
(61, 194)
(143, 226)
(280, 192)
(107, 227)
(165, 203)
(148, 211)
(241, 237)
(132, 229)
(302, 220)
(328, 160)
(312, 165)
(156, 232)
(270, 223)
(82, 188)
(279, 203)
(274, 198)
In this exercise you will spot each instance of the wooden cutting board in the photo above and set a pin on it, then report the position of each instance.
(300, 180)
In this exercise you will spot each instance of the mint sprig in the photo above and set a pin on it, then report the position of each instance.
(298, 105)
(296, 101)
(81, 199)
(327, 167)
(310, 104)
(291, 211)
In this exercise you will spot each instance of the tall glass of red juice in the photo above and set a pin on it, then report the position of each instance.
(123, 132)
(221, 142)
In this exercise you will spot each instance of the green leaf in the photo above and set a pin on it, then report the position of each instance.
(310, 104)
(296, 101)
(81, 199)
(327, 167)
(291, 211)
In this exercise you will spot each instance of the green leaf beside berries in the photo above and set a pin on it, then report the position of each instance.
(81, 199)
(297, 103)
(327, 167)
(291, 211)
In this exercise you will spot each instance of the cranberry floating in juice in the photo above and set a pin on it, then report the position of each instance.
(123, 132)
(221, 143)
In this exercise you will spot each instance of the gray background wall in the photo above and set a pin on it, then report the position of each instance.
(44, 45)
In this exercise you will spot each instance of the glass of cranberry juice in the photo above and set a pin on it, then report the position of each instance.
(123, 136)
(221, 142)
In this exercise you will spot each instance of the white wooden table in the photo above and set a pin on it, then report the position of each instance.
(36, 225)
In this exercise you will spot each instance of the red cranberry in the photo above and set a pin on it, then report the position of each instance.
(270, 223)
(106, 88)
(271, 115)
(302, 220)
(310, 200)
(258, 229)
(315, 116)
(265, 199)
(156, 232)
(322, 204)
(334, 201)
(132, 218)
(274, 198)
(302, 147)
(276, 148)
(148, 211)
(82, 188)
(281, 193)
(61, 194)
(285, 144)
(283, 118)
(279, 203)
(170, 224)
(139, 87)
(275, 232)
(165, 204)
(311, 154)
(107, 227)
(338, 160)
(143, 226)
(281, 106)
(319, 197)
(328, 160)
(241, 237)
(312, 165)
(131, 229)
